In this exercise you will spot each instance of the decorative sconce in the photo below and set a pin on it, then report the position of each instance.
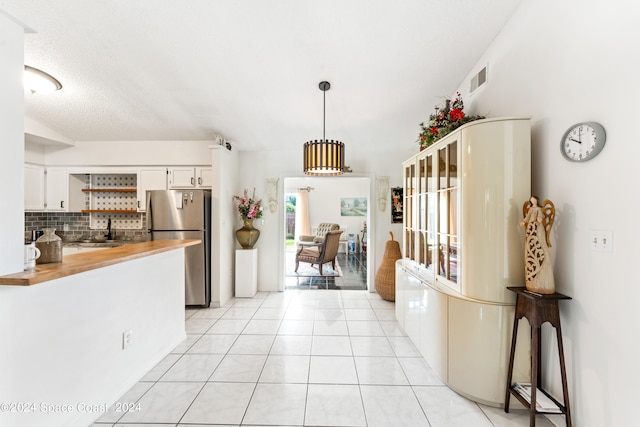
(272, 194)
(383, 191)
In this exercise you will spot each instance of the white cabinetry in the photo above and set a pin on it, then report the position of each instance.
(190, 177)
(63, 190)
(33, 187)
(462, 248)
(150, 179)
(204, 177)
(57, 190)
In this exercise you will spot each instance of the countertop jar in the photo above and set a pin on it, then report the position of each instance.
(50, 245)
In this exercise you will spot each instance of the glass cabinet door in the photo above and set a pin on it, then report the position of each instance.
(421, 211)
(409, 224)
(431, 212)
(447, 213)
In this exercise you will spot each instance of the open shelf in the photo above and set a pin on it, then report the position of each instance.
(109, 190)
(546, 403)
(110, 210)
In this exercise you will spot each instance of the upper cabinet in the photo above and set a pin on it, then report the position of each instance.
(150, 179)
(189, 177)
(52, 189)
(65, 189)
(57, 190)
(33, 187)
(204, 177)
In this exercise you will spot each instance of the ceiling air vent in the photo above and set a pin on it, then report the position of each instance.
(479, 79)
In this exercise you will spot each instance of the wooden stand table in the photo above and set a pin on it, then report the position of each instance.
(537, 308)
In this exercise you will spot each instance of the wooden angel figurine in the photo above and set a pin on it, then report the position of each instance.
(538, 268)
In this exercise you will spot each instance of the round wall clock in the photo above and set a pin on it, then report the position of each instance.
(583, 141)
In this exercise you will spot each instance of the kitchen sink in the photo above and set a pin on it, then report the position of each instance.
(97, 243)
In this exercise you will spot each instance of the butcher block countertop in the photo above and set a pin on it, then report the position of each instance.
(81, 262)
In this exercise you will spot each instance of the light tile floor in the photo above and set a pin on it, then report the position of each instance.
(300, 358)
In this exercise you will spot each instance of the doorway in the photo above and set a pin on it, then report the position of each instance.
(346, 201)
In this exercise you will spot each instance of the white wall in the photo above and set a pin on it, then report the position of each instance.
(62, 339)
(225, 171)
(34, 153)
(562, 63)
(129, 153)
(11, 141)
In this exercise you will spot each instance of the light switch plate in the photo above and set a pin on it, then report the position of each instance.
(601, 240)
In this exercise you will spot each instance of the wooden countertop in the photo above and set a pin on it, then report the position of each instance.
(81, 262)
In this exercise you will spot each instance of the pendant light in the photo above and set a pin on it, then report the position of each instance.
(324, 158)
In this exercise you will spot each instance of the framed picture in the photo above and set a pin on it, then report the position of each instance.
(396, 205)
(353, 206)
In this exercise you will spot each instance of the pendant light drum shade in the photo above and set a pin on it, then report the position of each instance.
(323, 158)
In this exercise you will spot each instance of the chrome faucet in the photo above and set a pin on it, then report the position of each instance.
(109, 236)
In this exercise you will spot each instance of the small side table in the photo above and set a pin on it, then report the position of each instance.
(246, 272)
(538, 309)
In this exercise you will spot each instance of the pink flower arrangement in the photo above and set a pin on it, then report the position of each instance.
(248, 207)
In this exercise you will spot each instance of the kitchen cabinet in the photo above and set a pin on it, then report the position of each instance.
(150, 179)
(204, 177)
(189, 177)
(57, 190)
(52, 189)
(462, 249)
(33, 187)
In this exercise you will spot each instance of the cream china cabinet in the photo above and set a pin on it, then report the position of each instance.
(462, 247)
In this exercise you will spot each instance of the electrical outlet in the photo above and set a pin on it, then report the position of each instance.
(601, 240)
(127, 339)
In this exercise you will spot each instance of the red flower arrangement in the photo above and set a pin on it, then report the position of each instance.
(446, 118)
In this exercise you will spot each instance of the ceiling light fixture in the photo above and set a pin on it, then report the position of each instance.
(324, 158)
(37, 81)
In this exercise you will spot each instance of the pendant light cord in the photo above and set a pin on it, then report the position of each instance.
(324, 113)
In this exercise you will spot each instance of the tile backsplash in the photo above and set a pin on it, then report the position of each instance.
(78, 226)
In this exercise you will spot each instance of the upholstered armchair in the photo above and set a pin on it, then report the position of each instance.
(321, 231)
(320, 253)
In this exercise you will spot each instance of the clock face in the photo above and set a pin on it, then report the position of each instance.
(582, 141)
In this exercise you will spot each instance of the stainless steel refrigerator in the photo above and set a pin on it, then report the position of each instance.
(185, 214)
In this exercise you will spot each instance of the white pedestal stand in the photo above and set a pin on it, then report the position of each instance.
(246, 272)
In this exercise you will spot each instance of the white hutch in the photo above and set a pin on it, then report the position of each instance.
(462, 247)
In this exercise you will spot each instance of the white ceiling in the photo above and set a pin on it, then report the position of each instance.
(249, 69)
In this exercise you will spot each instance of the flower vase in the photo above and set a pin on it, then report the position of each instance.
(247, 235)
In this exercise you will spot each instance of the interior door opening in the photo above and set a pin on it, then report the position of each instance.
(308, 203)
